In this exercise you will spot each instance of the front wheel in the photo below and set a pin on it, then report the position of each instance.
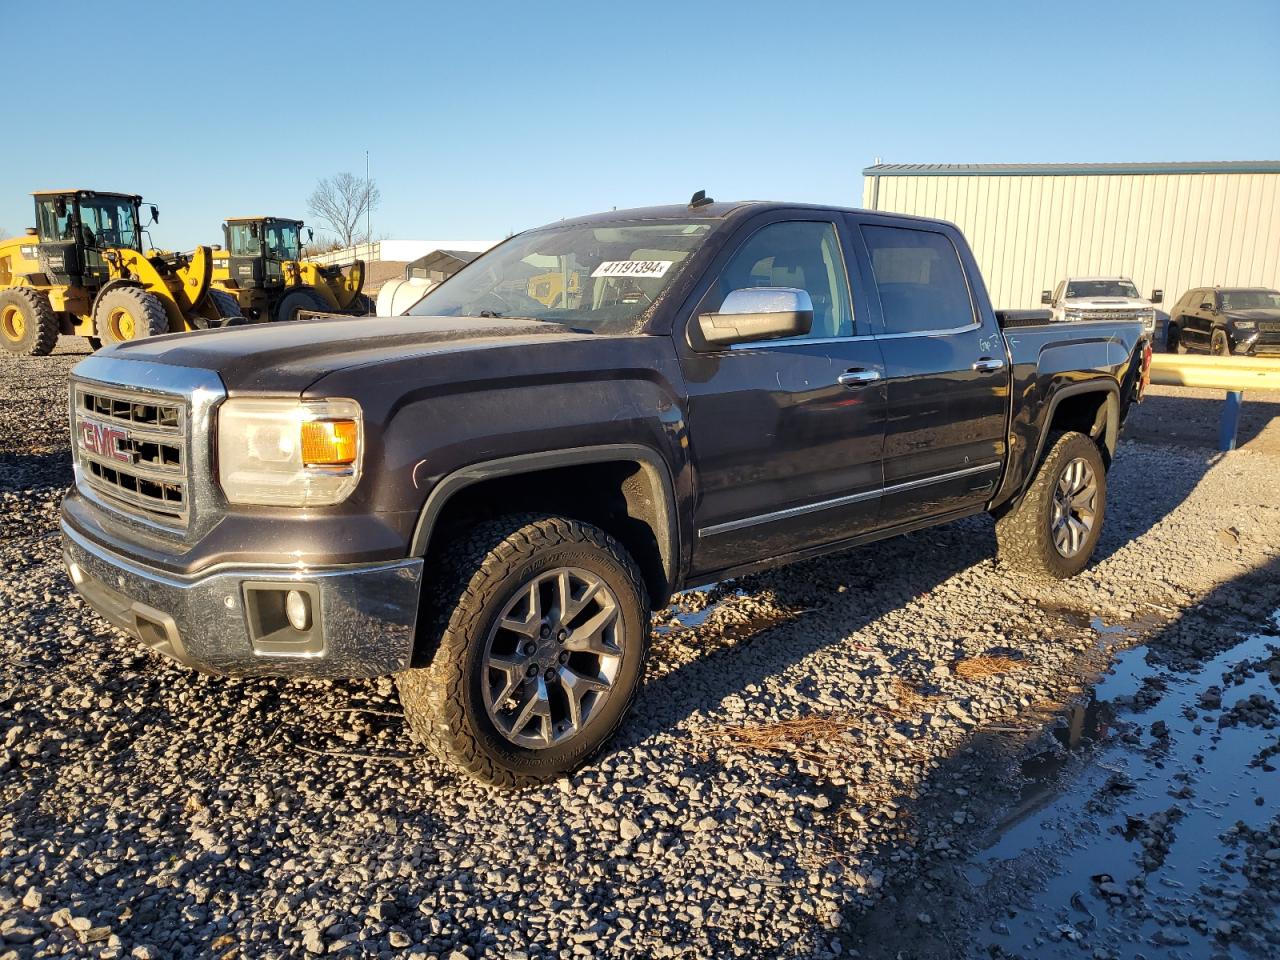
(1051, 533)
(1173, 340)
(1220, 344)
(128, 313)
(540, 626)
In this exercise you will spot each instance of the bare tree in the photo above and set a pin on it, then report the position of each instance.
(343, 203)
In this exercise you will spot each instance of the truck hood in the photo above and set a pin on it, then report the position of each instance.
(1107, 303)
(286, 358)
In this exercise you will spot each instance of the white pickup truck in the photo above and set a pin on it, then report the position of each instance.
(1101, 298)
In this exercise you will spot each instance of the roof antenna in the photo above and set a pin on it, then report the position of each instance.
(700, 199)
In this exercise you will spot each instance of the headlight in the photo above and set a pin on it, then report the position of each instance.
(1073, 314)
(297, 453)
(1149, 320)
(1243, 324)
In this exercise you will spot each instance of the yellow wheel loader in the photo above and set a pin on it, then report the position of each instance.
(83, 270)
(261, 265)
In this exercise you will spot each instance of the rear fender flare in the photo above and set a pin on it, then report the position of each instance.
(1110, 410)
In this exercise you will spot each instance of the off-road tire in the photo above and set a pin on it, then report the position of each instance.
(28, 325)
(1220, 343)
(144, 310)
(226, 307)
(1024, 534)
(295, 301)
(466, 588)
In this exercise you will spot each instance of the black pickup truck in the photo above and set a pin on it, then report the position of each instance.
(488, 497)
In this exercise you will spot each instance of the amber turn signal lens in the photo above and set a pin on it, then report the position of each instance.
(329, 442)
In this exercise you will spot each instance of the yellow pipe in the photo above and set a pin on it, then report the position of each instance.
(1216, 373)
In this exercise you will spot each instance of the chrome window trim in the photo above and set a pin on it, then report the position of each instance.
(730, 525)
(774, 344)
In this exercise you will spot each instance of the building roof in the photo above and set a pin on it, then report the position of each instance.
(1066, 169)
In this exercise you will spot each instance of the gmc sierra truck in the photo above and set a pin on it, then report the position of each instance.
(487, 498)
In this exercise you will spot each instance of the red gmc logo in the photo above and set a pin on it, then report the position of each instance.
(104, 440)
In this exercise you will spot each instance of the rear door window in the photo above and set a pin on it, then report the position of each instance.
(920, 280)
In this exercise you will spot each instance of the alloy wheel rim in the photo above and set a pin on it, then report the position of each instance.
(1075, 507)
(552, 657)
(12, 323)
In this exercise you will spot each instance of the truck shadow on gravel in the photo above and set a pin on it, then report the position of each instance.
(44, 470)
(1134, 822)
(821, 600)
(1194, 421)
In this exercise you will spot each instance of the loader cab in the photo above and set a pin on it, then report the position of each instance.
(75, 229)
(258, 248)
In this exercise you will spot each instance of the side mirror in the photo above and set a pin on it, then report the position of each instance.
(1046, 296)
(1207, 306)
(758, 313)
(155, 213)
(1157, 296)
(311, 237)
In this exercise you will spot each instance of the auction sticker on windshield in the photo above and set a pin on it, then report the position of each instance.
(632, 268)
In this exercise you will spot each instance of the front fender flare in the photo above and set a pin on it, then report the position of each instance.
(647, 458)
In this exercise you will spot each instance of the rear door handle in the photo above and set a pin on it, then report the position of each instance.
(855, 378)
(988, 364)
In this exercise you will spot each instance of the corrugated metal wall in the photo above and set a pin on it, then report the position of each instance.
(1166, 231)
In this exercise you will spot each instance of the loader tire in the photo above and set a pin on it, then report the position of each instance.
(296, 301)
(481, 602)
(28, 325)
(128, 313)
(1052, 531)
(362, 306)
(227, 308)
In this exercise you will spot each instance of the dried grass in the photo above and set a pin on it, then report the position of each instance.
(981, 668)
(830, 741)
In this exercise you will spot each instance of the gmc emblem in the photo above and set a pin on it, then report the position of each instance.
(104, 441)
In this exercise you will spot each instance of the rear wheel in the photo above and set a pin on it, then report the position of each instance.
(540, 629)
(28, 325)
(128, 313)
(1220, 344)
(296, 301)
(1053, 530)
(226, 307)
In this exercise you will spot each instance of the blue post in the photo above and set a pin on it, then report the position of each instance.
(1230, 420)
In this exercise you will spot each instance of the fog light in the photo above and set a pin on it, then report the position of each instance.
(298, 610)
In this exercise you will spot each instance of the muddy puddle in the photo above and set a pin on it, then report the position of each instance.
(1142, 829)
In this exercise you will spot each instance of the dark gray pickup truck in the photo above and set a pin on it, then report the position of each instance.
(487, 498)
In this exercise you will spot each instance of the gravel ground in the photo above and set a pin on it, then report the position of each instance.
(810, 747)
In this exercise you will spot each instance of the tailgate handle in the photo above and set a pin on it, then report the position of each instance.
(988, 364)
(857, 377)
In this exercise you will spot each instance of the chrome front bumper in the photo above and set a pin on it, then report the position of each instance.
(362, 625)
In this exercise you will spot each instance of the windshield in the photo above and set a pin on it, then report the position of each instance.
(1103, 288)
(278, 238)
(599, 277)
(1250, 299)
(282, 240)
(108, 222)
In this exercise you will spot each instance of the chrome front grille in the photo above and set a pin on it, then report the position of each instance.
(132, 450)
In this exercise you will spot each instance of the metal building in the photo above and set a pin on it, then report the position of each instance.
(1168, 226)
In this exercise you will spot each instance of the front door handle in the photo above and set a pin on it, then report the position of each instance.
(988, 364)
(855, 378)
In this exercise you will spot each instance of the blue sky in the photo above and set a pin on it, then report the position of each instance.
(486, 118)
